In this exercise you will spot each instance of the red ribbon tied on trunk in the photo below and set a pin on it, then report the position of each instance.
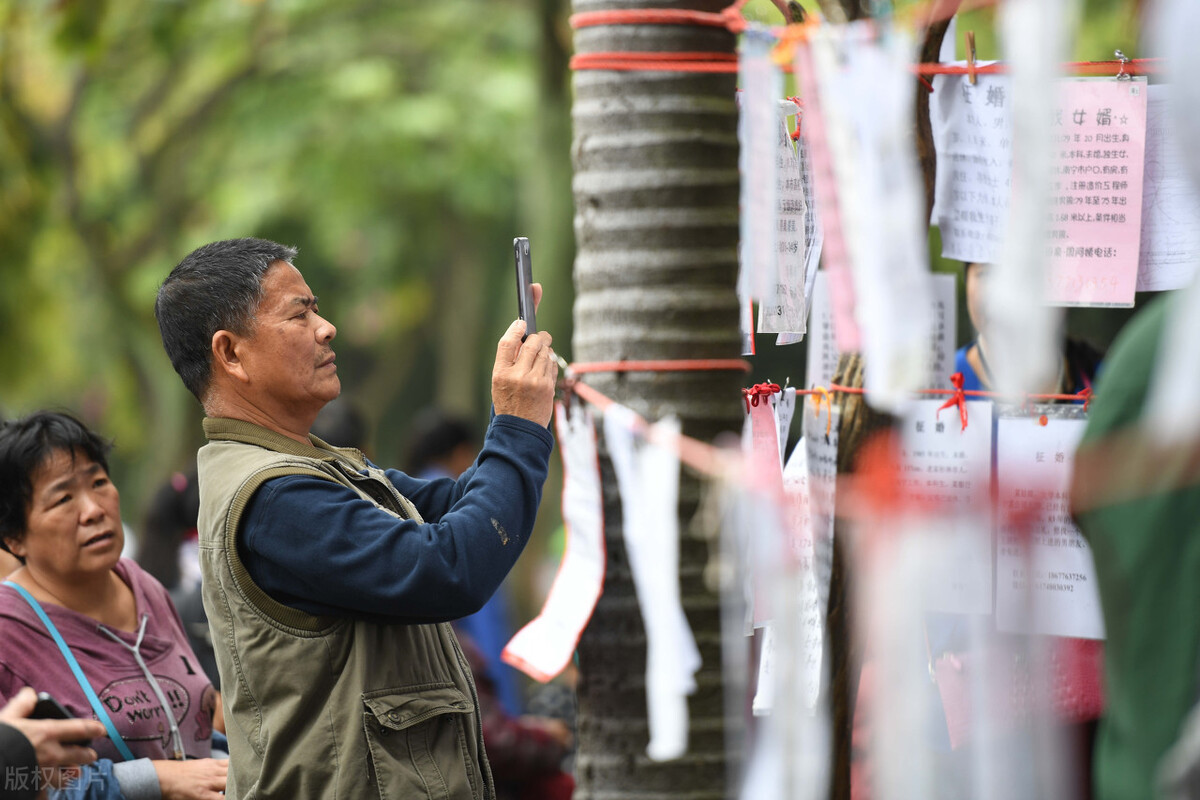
(958, 399)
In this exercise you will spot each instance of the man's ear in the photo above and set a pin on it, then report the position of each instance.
(226, 356)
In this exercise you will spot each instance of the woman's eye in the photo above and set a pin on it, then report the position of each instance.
(60, 500)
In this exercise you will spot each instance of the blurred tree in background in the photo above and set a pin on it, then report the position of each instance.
(400, 146)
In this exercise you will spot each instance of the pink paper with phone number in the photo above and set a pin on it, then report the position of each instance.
(1099, 133)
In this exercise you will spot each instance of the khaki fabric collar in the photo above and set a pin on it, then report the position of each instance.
(238, 430)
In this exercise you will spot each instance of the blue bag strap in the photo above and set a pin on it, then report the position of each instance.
(97, 706)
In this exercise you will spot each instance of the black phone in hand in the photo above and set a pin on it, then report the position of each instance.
(525, 309)
(49, 708)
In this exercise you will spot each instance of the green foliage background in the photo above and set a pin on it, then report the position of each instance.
(401, 146)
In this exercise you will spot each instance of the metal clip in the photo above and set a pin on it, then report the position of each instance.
(1122, 75)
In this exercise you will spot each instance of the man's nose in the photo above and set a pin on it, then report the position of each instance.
(326, 330)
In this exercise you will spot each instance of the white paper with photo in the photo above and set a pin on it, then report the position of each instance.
(544, 647)
(648, 479)
(1046, 580)
(865, 78)
(972, 134)
(1170, 246)
(948, 468)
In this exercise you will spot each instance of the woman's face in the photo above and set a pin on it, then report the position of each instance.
(977, 278)
(73, 522)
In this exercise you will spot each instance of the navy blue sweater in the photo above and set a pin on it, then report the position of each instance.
(316, 546)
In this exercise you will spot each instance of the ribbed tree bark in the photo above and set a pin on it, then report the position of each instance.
(656, 198)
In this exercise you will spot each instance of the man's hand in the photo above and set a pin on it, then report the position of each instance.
(198, 779)
(49, 736)
(525, 372)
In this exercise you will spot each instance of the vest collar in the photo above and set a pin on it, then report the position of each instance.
(239, 430)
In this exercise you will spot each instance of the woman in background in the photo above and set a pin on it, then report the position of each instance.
(60, 516)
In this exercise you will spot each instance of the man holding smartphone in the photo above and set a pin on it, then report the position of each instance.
(329, 583)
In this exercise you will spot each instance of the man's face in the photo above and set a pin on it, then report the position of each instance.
(287, 355)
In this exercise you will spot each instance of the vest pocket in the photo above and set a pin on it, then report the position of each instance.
(417, 737)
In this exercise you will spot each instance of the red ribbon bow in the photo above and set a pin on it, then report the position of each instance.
(757, 391)
(958, 399)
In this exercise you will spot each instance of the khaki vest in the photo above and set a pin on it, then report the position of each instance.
(326, 707)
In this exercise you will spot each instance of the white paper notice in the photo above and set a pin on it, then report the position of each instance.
(1170, 205)
(746, 324)
(648, 479)
(764, 470)
(787, 313)
(1049, 586)
(822, 342)
(863, 76)
(822, 360)
(814, 237)
(972, 131)
(799, 577)
(761, 82)
(949, 469)
(764, 691)
(543, 648)
(822, 453)
(784, 406)
(1021, 325)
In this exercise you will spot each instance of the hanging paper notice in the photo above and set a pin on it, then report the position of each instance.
(826, 187)
(822, 342)
(814, 237)
(822, 450)
(758, 125)
(803, 572)
(543, 648)
(944, 332)
(1099, 130)
(788, 312)
(972, 131)
(1046, 582)
(648, 479)
(764, 470)
(784, 406)
(1170, 205)
(860, 74)
(949, 469)
(821, 362)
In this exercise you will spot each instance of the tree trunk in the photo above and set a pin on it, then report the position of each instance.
(656, 198)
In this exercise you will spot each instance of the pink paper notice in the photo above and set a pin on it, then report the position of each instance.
(1099, 133)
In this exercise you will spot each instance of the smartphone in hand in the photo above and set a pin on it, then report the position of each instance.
(49, 708)
(525, 308)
